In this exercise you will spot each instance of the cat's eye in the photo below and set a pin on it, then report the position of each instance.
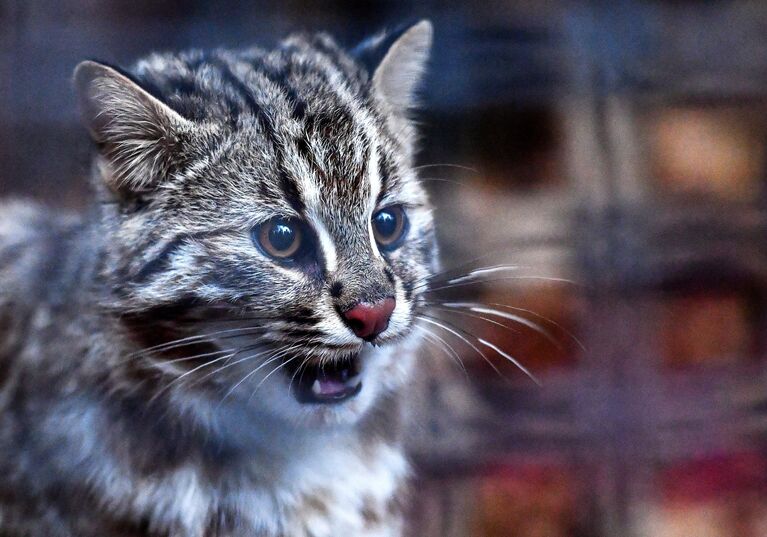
(280, 238)
(389, 226)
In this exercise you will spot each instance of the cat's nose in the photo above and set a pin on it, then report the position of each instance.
(369, 320)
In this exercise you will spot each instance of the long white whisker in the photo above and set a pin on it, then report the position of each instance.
(511, 359)
(463, 284)
(299, 368)
(447, 165)
(433, 279)
(198, 356)
(543, 318)
(474, 274)
(469, 343)
(272, 372)
(445, 346)
(232, 364)
(279, 354)
(481, 308)
(190, 340)
(441, 180)
(457, 311)
(191, 371)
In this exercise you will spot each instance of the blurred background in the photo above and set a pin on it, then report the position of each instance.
(619, 145)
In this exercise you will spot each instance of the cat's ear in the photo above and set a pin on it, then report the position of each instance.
(397, 61)
(139, 136)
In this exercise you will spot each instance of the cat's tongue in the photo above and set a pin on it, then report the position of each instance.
(328, 386)
(331, 382)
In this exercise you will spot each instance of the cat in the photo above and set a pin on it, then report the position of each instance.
(219, 345)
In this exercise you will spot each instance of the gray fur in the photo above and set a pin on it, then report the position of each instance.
(109, 428)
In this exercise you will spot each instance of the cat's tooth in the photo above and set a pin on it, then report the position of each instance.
(316, 388)
(353, 381)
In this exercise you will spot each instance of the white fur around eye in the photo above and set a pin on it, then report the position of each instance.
(326, 243)
(374, 176)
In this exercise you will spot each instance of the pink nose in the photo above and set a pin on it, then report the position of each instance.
(369, 320)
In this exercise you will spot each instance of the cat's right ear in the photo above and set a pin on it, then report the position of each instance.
(139, 135)
(396, 61)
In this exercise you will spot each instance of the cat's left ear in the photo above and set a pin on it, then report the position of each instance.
(397, 61)
(139, 135)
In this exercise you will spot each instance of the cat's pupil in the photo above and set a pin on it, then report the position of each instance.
(281, 236)
(385, 223)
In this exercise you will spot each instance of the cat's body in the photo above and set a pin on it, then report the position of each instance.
(145, 346)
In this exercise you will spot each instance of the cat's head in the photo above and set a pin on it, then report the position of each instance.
(267, 239)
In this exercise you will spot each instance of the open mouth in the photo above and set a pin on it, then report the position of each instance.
(334, 381)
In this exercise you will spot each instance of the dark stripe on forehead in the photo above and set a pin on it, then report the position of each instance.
(359, 179)
(340, 59)
(288, 185)
(193, 89)
(338, 128)
(245, 94)
(291, 191)
(317, 56)
(314, 58)
(325, 57)
(302, 144)
(384, 171)
(279, 78)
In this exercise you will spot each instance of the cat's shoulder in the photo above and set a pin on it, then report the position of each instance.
(21, 223)
(29, 236)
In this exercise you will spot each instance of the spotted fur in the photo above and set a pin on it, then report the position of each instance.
(141, 342)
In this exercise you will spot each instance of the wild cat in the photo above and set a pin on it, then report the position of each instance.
(218, 347)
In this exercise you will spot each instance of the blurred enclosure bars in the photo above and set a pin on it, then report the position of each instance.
(620, 145)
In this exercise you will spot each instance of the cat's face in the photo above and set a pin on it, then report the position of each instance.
(266, 221)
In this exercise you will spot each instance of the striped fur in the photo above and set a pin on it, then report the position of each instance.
(140, 343)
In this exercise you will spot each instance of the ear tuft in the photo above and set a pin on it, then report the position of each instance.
(403, 56)
(137, 133)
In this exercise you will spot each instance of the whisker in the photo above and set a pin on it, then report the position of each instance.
(454, 311)
(197, 356)
(445, 346)
(272, 372)
(435, 277)
(299, 368)
(206, 354)
(431, 320)
(487, 344)
(481, 308)
(191, 371)
(472, 275)
(511, 359)
(269, 354)
(463, 284)
(276, 356)
(441, 180)
(191, 340)
(447, 165)
(185, 320)
(567, 332)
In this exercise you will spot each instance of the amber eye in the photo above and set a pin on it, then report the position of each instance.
(279, 238)
(389, 226)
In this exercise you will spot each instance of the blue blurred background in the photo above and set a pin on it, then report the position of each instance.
(617, 145)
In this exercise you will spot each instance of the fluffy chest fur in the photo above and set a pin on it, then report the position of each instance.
(345, 494)
(335, 491)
